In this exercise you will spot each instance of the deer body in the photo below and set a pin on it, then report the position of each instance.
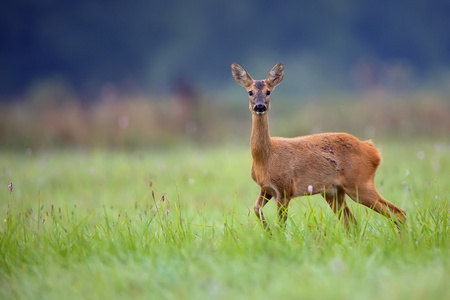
(292, 165)
(332, 164)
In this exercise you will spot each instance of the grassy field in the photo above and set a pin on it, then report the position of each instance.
(178, 224)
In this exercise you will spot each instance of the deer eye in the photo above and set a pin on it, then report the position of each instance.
(250, 93)
(268, 93)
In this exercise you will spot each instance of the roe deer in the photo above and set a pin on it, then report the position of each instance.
(332, 164)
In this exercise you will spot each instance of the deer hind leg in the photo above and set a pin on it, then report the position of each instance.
(262, 200)
(367, 195)
(336, 200)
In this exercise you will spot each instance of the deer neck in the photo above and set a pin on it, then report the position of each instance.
(260, 139)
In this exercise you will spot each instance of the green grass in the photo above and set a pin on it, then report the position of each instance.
(93, 225)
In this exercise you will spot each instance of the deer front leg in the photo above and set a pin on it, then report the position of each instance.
(262, 200)
(282, 205)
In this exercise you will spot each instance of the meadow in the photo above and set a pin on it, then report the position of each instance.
(177, 223)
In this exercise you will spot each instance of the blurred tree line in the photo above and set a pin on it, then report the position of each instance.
(146, 45)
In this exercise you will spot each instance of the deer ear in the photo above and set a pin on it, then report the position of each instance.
(241, 76)
(275, 75)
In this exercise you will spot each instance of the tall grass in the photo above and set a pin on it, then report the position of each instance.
(178, 224)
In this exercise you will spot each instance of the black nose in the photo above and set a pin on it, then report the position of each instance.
(260, 108)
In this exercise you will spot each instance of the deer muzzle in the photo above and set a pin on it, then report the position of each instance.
(260, 108)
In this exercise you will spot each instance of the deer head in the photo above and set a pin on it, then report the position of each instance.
(259, 91)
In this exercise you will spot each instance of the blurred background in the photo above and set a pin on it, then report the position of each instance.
(115, 74)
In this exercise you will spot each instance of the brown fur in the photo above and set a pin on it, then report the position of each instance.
(333, 164)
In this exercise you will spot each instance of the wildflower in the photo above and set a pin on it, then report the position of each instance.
(421, 155)
(337, 266)
(310, 189)
(167, 212)
(91, 171)
(10, 186)
(407, 173)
